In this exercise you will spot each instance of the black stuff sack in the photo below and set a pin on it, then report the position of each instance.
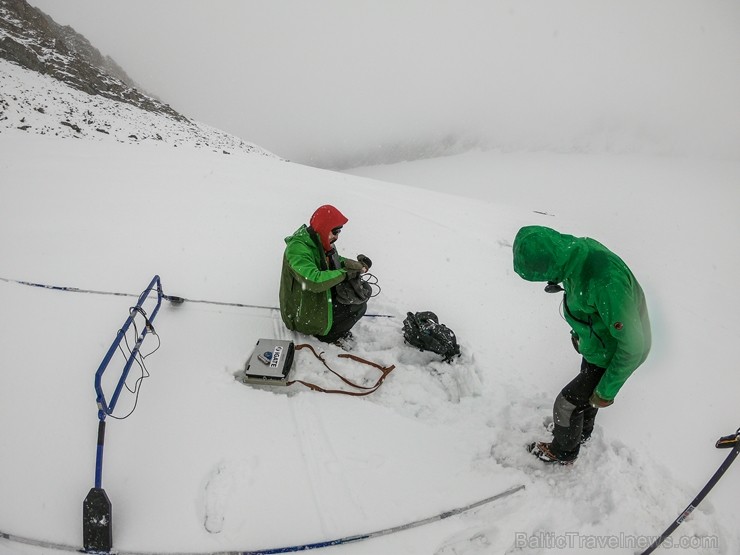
(353, 290)
(423, 331)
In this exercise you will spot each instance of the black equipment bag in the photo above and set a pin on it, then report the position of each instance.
(423, 331)
(353, 290)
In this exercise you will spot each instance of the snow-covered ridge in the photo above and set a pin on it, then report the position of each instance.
(42, 105)
(35, 41)
(54, 82)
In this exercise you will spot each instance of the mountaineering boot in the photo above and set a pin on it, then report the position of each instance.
(346, 342)
(542, 451)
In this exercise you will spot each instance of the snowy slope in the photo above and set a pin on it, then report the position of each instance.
(675, 221)
(207, 464)
(38, 104)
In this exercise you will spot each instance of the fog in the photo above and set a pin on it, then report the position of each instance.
(338, 83)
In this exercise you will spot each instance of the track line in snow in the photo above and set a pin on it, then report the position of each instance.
(321, 464)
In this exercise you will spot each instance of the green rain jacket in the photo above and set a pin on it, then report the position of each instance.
(305, 284)
(603, 303)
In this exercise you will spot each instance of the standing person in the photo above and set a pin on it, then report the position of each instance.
(312, 268)
(606, 310)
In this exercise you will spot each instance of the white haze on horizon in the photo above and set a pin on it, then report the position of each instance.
(338, 84)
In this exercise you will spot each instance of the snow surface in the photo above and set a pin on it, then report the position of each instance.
(207, 464)
(42, 105)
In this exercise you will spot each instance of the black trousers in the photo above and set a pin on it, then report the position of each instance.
(344, 318)
(573, 415)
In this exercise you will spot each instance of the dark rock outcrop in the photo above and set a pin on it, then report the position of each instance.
(33, 40)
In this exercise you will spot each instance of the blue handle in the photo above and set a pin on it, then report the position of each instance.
(106, 408)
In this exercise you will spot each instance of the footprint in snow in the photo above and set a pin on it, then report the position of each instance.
(218, 489)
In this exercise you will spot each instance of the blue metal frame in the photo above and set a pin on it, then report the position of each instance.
(104, 407)
(107, 408)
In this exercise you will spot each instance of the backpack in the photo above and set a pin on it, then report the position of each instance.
(423, 331)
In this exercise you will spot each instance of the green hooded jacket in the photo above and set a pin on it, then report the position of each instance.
(305, 284)
(603, 303)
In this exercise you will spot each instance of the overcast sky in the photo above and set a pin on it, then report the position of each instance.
(336, 83)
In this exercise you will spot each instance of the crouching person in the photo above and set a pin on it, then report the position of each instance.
(311, 270)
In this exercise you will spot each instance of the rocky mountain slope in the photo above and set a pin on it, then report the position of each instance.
(54, 82)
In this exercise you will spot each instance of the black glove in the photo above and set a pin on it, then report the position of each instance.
(364, 260)
(353, 265)
(353, 268)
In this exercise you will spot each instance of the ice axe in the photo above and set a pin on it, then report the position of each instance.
(731, 441)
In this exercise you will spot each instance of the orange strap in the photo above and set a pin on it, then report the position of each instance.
(385, 370)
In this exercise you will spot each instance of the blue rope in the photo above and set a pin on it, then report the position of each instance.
(68, 289)
(173, 299)
(292, 548)
(386, 531)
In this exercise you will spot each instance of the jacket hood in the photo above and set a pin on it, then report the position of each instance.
(324, 219)
(543, 254)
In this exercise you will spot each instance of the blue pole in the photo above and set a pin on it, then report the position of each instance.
(105, 408)
(97, 521)
(99, 455)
